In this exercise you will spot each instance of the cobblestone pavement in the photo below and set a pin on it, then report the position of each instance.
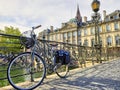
(105, 76)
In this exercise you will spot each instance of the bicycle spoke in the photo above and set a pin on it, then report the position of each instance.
(24, 70)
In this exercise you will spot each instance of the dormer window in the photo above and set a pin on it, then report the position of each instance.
(111, 17)
(115, 16)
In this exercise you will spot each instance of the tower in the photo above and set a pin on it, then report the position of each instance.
(78, 15)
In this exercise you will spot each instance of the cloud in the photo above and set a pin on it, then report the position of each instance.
(28, 13)
(8, 24)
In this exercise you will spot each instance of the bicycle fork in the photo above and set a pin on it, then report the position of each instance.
(31, 67)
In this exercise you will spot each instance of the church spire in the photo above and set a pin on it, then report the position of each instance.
(78, 16)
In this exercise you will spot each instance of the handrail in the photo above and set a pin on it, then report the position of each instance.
(81, 54)
(9, 35)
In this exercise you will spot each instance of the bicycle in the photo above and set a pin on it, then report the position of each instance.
(30, 67)
(6, 59)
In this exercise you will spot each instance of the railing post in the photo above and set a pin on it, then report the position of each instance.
(44, 51)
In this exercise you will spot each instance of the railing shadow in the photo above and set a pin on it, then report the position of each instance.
(91, 79)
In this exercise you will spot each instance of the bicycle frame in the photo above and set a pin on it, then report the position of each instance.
(29, 69)
(50, 65)
(36, 45)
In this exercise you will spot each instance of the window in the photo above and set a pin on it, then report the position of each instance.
(109, 41)
(116, 26)
(79, 42)
(56, 36)
(106, 19)
(117, 40)
(85, 42)
(65, 35)
(92, 30)
(100, 29)
(79, 33)
(101, 42)
(74, 41)
(74, 33)
(111, 17)
(115, 17)
(53, 37)
(85, 32)
(92, 42)
(69, 34)
(60, 36)
(108, 27)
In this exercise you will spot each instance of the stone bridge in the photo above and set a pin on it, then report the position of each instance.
(104, 76)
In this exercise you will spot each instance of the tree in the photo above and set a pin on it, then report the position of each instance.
(10, 44)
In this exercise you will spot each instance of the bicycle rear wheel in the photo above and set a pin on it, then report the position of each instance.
(24, 73)
(62, 70)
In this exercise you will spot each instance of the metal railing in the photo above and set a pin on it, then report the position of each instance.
(80, 55)
(7, 48)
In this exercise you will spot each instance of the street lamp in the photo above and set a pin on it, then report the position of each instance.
(95, 18)
(95, 5)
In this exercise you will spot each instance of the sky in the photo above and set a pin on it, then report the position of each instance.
(24, 14)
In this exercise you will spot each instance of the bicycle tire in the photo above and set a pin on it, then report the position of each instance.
(23, 75)
(62, 70)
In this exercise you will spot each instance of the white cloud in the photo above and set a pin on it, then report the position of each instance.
(28, 13)
(8, 24)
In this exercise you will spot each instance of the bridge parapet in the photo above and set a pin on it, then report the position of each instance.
(80, 55)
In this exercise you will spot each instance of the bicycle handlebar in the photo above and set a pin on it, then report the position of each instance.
(36, 27)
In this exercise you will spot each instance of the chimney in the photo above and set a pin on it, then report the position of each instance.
(104, 14)
(51, 28)
(85, 19)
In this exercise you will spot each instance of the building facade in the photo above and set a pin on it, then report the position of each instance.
(76, 31)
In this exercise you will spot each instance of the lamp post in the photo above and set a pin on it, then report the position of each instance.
(95, 18)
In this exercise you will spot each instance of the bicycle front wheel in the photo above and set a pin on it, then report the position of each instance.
(62, 70)
(25, 73)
